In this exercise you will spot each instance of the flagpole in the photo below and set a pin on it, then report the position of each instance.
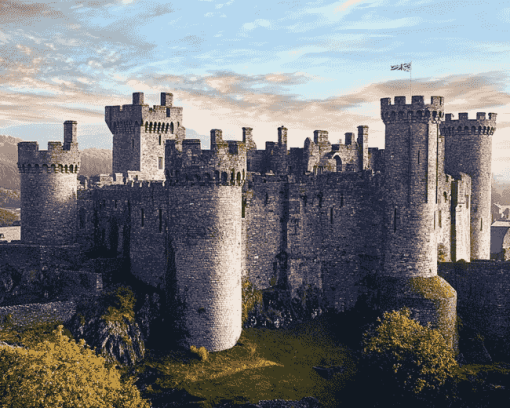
(410, 81)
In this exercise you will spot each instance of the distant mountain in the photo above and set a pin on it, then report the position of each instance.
(10, 198)
(9, 176)
(96, 161)
(93, 161)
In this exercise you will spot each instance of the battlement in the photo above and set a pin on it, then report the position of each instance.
(164, 118)
(417, 111)
(224, 163)
(57, 159)
(482, 125)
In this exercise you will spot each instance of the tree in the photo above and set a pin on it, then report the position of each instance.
(62, 373)
(405, 357)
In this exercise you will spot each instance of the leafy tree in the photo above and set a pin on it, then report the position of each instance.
(407, 358)
(62, 373)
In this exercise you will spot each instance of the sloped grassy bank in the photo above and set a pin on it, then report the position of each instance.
(264, 365)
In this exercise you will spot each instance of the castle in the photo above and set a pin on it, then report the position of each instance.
(196, 221)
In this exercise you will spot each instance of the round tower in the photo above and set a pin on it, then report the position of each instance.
(468, 149)
(411, 185)
(409, 276)
(48, 190)
(203, 280)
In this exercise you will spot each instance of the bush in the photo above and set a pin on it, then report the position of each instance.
(62, 373)
(251, 298)
(406, 356)
(201, 352)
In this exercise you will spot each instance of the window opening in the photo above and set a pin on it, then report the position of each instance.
(160, 163)
(160, 140)
(331, 215)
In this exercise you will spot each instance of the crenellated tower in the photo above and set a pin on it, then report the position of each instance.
(139, 135)
(412, 167)
(204, 238)
(48, 190)
(468, 149)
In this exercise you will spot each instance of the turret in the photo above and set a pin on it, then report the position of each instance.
(411, 180)
(468, 149)
(139, 134)
(204, 239)
(48, 190)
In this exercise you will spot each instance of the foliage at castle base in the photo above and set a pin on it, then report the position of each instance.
(109, 326)
(62, 373)
(273, 308)
(406, 360)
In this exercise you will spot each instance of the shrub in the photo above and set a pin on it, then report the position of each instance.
(251, 298)
(407, 355)
(201, 352)
(62, 373)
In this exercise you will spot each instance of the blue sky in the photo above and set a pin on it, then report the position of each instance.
(305, 64)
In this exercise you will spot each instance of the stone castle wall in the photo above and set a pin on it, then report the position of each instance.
(482, 289)
(469, 150)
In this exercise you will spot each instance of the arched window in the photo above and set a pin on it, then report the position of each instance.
(160, 140)
(238, 178)
(338, 161)
(224, 177)
(171, 127)
(146, 126)
(71, 169)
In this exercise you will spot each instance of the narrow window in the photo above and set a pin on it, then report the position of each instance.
(160, 140)
(267, 199)
(133, 144)
(467, 202)
(160, 163)
(439, 218)
(331, 215)
(243, 209)
(342, 200)
(395, 220)
(142, 217)
(418, 157)
(160, 214)
(172, 127)
(115, 203)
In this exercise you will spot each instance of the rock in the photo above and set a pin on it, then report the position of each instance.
(121, 341)
(307, 402)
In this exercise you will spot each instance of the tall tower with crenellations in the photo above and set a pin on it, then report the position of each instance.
(412, 167)
(48, 190)
(204, 227)
(139, 135)
(468, 149)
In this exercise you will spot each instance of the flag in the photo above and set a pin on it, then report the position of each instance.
(401, 67)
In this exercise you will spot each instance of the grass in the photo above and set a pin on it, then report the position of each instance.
(264, 365)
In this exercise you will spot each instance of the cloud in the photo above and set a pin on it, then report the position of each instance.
(346, 5)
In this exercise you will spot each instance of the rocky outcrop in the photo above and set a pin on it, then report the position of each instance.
(119, 341)
(279, 310)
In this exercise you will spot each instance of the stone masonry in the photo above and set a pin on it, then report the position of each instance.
(195, 221)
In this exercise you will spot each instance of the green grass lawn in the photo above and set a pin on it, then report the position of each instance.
(265, 365)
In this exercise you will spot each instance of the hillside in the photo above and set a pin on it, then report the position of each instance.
(9, 177)
(93, 161)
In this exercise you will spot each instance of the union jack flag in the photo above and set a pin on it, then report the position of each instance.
(401, 67)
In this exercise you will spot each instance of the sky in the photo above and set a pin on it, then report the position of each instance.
(304, 64)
